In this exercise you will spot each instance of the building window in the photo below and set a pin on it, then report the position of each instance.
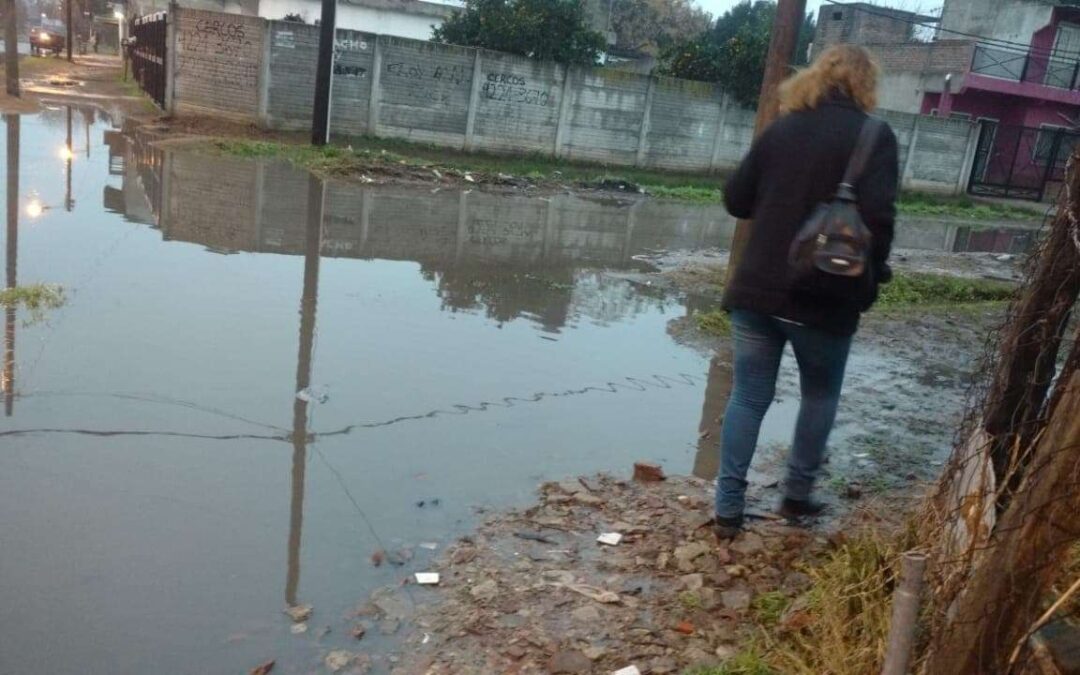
(838, 16)
(933, 112)
(1044, 144)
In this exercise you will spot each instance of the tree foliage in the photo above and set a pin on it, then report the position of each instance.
(732, 53)
(652, 26)
(554, 30)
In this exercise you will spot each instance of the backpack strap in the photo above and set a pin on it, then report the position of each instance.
(864, 147)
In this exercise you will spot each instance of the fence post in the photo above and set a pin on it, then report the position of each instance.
(474, 100)
(264, 75)
(376, 89)
(564, 110)
(646, 121)
(912, 147)
(969, 158)
(169, 61)
(718, 137)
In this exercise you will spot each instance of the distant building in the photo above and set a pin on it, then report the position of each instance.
(402, 18)
(1011, 65)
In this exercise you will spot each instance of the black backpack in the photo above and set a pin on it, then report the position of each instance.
(830, 256)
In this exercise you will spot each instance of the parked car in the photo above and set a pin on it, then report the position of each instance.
(49, 36)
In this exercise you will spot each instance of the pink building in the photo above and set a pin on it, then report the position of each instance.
(1011, 66)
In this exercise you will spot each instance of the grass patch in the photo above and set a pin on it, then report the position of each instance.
(847, 612)
(919, 290)
(36, 299)
(37, 66)
(690, 601)
(750, 661)
(920, 204)
(716, 322)
(769, 607)
(698, 188)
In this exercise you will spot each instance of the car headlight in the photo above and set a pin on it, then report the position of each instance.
(44, 38)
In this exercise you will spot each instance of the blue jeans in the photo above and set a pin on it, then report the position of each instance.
(759, 342)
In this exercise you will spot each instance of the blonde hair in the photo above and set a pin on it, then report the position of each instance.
(845, 69)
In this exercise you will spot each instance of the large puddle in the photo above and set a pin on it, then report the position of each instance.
(165, 493)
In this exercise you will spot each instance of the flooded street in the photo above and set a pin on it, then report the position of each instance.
(165, 492)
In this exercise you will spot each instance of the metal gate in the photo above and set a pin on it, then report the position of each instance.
(148, 55)
(1020, 162)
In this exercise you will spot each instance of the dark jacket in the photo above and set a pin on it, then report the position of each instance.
(793, 166)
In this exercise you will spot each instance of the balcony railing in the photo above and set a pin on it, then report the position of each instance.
(1023, 66)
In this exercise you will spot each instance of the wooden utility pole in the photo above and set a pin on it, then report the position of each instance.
(11, 47)
(70, 30)
(324, 73)
(783, 41)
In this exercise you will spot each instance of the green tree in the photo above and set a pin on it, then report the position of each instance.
(654, 25)
(732, 53)
(550, 30)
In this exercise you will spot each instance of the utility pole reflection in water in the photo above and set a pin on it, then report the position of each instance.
(308, 302)
(12, 251)
(69, 154)
(717, 393)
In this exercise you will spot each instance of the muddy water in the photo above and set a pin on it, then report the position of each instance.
(165, 492)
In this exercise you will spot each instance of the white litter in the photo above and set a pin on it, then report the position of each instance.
(610, 538)
(298, 628)
(427, 639)
(427, 578)
(429, 545)
(316, 394)
(861, 455)
(629, 670)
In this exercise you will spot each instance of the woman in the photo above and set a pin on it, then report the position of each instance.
(795, 165)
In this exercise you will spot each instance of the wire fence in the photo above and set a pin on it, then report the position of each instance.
(1001, 522)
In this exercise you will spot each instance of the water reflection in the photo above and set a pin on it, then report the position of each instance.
(12, 254)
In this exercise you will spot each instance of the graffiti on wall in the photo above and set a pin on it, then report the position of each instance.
(215, 37)
(429, 85)
(345, 50)
(511, 88)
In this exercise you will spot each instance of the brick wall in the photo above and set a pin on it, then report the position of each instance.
(944, 56)
(465, 98)
(217, 62)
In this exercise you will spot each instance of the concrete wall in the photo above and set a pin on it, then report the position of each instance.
(1013, 20)
(472, 99)
(218, 62)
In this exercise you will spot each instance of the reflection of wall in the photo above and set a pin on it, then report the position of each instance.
(510, 254)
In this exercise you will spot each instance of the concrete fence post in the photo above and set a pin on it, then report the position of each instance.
(718, 137)
(563, 124)
(646, 121)
(376, 89)
(172, 18)
(263, 101)
(909, 159)
(474, 99)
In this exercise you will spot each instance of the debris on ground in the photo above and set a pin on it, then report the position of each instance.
(646, 472)
(262, 668)
(668, 598)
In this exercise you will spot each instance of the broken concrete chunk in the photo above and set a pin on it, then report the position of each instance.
(569, 661)
(748, 543)
(588, 615)
(736, 599)
(299, 613)
(338, 660)
(485, 590)
(692, 582)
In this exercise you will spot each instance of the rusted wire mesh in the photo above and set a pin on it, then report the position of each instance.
(999, 525)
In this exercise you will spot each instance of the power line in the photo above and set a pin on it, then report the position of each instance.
(981, 38)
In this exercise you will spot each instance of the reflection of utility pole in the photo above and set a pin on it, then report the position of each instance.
(86, 120)
(717, 393)
(308, 301)
(69, 154)
(8, 375)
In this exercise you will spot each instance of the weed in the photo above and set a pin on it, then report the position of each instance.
(911, 289)
(34, 298)
(919, 204)
(686, 193)
(690, 601)
(769, 607)
(716, 322)
(750, 661)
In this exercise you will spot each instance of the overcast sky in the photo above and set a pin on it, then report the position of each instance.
(718, 7)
